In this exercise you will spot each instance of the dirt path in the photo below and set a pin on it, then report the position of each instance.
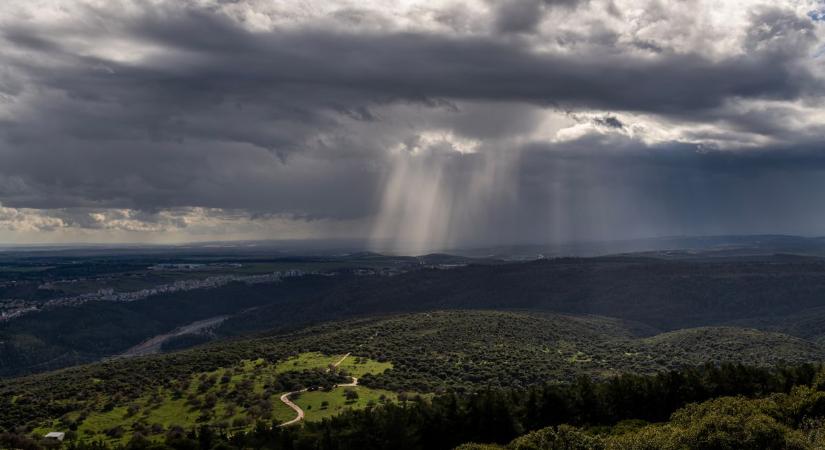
(352, 383)
(285, 398)
(296, 408)
(340, 361)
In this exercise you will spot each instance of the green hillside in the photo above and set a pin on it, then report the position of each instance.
(464, 349)
(234, 384)
(717, 344)
(232, 398)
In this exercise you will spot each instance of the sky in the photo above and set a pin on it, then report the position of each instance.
(418, 124)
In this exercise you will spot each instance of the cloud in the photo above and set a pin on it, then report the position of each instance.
(520, 16)
(417, 121)
(609, 121)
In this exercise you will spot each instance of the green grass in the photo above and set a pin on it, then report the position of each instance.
(180, 406)
(305, 361)
(311, 401)
(357, 366)
(46, 427)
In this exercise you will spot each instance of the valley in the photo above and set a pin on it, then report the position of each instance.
(651, 295)
(348, 339)
(155, 344)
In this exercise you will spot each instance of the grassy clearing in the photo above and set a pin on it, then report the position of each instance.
(357, 366)
(232, 397)
(318, 405)
(306, 361)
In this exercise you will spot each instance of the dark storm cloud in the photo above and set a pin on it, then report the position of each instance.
(518, 16)
(638, 190)
(279, 121)
(611, 186)
(290, 75)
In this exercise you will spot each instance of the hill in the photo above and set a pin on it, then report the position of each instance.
(462, 350)
(665, 295)
(769, 293)
(696, 346)
(414, 354)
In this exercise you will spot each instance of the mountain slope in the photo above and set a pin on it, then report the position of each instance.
(429, 352)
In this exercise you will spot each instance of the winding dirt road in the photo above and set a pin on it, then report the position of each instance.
(296, 408)
(285, 398)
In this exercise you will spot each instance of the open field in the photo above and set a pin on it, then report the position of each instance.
(232, 398)
(306, 361)
(318, 405)
(358, 366)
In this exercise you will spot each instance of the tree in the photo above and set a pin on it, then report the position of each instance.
(351, 395)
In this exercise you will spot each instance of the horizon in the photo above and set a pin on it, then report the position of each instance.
(344, 247)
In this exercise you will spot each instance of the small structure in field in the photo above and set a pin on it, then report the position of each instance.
(56, 435)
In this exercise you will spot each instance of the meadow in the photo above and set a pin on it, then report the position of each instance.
(233, 399)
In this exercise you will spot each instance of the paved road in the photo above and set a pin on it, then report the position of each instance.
(285, 398)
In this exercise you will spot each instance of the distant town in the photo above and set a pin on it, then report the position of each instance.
(12, 308)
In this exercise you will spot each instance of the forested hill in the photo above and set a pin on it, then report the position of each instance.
(781, 294)
(492, 375)
(665, 295)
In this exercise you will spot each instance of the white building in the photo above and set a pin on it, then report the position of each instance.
(56, 435)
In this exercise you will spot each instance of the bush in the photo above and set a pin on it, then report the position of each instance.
(563, 437)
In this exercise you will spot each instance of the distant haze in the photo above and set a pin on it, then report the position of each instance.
(413, 125)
